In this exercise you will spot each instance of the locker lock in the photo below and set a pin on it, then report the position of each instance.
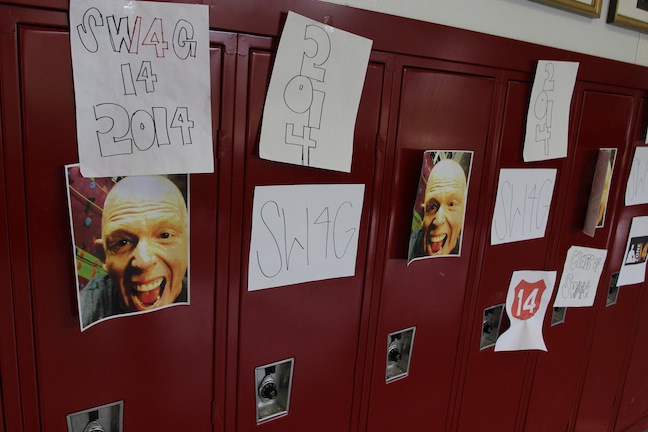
(394, 351)
(487, 327)
(94, 426)
(268, 387)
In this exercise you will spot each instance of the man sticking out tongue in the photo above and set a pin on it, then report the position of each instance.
(144, 234)
(443, 211)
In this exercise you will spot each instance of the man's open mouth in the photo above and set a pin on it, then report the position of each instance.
(147, 296)
(436, 243)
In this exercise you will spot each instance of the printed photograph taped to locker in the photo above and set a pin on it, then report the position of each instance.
(440, 206)
(638, 250)
(130, 239)
(606, 187)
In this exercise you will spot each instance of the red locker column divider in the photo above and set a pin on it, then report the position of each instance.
(240, 138)
(224, 147)
(21, 403)
(381, 240)
(376, 251)
(487, 204)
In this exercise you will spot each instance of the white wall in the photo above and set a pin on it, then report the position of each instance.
(523, 20)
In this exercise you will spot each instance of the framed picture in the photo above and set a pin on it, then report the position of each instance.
(591, 8)
(629, 13)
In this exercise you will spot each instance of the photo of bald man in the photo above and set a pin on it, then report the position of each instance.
(134, 234)
(440, 206)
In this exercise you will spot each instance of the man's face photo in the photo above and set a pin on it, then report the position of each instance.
(144, 236)
(131, 243)
(445, 197)
(440, 204)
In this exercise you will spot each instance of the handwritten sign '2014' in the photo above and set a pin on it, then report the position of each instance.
(522, 204)
(141, 81)
(314, 94)
(303, 233)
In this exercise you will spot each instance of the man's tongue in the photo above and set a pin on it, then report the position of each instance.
(148, 298)
(437, 245)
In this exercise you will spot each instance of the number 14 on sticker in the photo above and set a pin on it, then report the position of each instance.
(526, 300)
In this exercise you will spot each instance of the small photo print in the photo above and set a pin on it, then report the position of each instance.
(637, 251)
(130, 239)
(440, 206)
(606, 187)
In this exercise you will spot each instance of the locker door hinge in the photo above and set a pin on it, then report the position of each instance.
(380, 146)
(215, 418)
(219, 146)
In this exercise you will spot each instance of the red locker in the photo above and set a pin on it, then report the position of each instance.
(607, 361)
(161, 363)
(633, 407)
(605, 121)
(488, 373)
(441, 106)
(427, 87)
(316, 323)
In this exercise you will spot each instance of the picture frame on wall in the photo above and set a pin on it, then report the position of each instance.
(629, 13)
(590, 8)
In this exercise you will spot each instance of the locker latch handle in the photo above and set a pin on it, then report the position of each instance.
(94, 426)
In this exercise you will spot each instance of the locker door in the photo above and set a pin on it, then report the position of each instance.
(493, 382)
(2, 422)
(10, 407)
(607, 360)
(160, 364)
(633, 409)
(441, 106)
(605, 121)
(316, 323)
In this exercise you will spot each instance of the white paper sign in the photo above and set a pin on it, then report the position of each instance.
(580, 277)
(303, 233)
(548, 114)
(636, 190)
(633, 269)
(141, 84)
(526, 304)
(522, 204)
(314, 93)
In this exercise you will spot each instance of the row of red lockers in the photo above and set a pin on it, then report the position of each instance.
(427, 87)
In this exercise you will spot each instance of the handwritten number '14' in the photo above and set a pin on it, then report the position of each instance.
(145, 75)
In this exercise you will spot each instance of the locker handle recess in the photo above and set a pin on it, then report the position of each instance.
(98, 419)
(273, 384)
(491, 326)
(399, 353)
